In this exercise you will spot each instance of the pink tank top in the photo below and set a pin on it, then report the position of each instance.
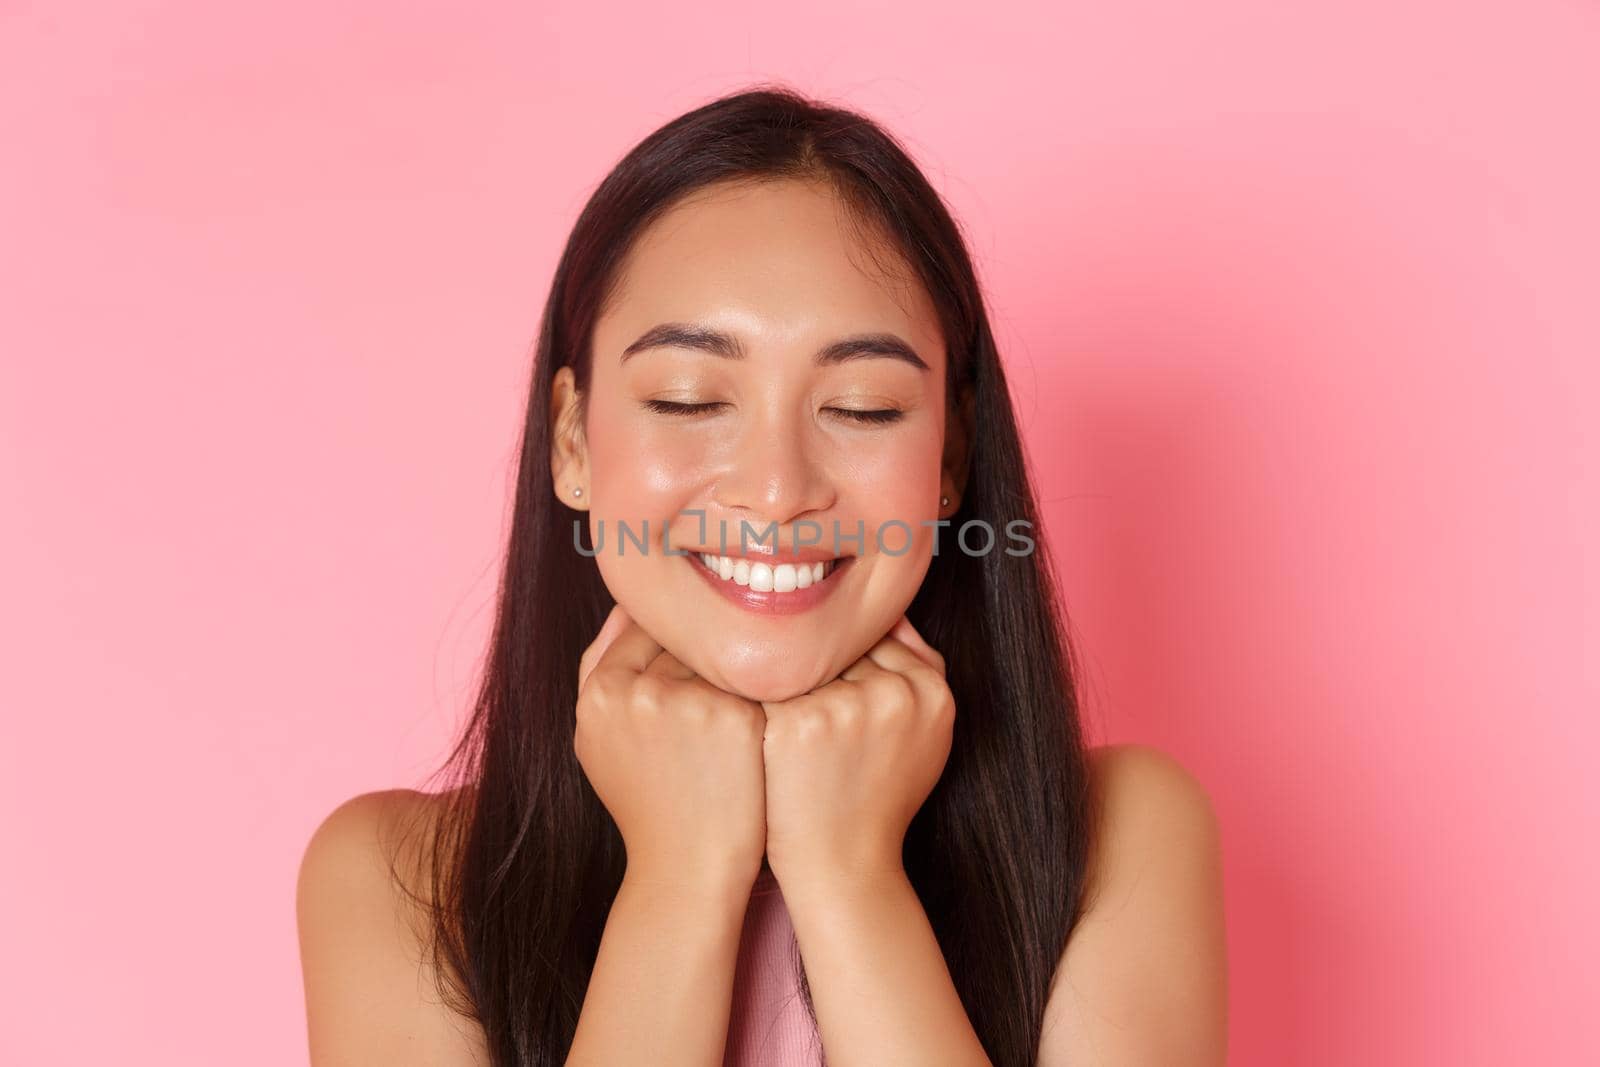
(769, 1025)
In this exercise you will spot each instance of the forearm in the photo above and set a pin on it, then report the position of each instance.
(663, 979)
(879, 981)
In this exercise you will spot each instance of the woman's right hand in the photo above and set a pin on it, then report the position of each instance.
(676, 760)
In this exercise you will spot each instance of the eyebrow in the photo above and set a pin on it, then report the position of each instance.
(727, 346)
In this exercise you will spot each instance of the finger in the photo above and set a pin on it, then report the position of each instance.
(893, 654)
(615, 621)
(632, 649)
(666, 665)
(898, 650)
(865, 667)
(907, 635)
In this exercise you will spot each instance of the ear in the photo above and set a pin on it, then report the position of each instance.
(956, 462)
(569, 459)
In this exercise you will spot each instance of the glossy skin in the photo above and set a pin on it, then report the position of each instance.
(675, 760)
(716, 736)
(1143, 981)
(779, 268)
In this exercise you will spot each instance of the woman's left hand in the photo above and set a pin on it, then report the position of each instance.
(849, 763)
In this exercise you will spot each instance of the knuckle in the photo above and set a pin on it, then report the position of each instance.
(809, 725)
(606, 685)
(801, 720)
(893, 691)
(649, 692)
(844, 717)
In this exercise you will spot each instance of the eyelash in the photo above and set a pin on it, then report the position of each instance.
(875, 418)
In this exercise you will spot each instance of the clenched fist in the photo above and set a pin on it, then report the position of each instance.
(674, 759)
(849, 763)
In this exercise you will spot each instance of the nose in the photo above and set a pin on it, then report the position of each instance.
(772, 476)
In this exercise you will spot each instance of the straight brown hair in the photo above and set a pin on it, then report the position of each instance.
(526, 861)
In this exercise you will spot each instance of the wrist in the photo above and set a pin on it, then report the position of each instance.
(690, 888)
(839, 880)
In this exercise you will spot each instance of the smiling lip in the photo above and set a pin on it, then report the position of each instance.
(765, 554)
(759, 603)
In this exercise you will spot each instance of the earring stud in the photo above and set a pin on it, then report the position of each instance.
(944, 501)
(577, 490)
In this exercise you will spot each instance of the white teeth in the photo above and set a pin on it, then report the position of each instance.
(761, 577)
(764, 577)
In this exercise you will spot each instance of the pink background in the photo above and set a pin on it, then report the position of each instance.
(1301, 310)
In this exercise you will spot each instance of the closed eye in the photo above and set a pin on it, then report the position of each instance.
(673, 407)
(877, 417)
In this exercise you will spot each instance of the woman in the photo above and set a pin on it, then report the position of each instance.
(766, 762)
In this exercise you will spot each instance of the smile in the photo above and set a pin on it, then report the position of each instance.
(765, 578)
(770, 589)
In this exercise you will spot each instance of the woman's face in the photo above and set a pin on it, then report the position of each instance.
(767, 277)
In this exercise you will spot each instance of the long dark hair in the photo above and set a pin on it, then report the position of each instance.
(526, 861)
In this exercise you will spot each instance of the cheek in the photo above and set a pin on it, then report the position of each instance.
(639, 477)
(633, 580)
(900, 483)
(634, 468)
(896, 492)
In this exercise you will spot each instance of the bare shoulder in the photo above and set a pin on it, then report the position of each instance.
(1143, 979)
(361, 900)
(1146, 798)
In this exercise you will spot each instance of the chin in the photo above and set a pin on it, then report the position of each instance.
(765, 686)
(763, 675)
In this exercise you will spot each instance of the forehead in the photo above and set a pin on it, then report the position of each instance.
(784, 264)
